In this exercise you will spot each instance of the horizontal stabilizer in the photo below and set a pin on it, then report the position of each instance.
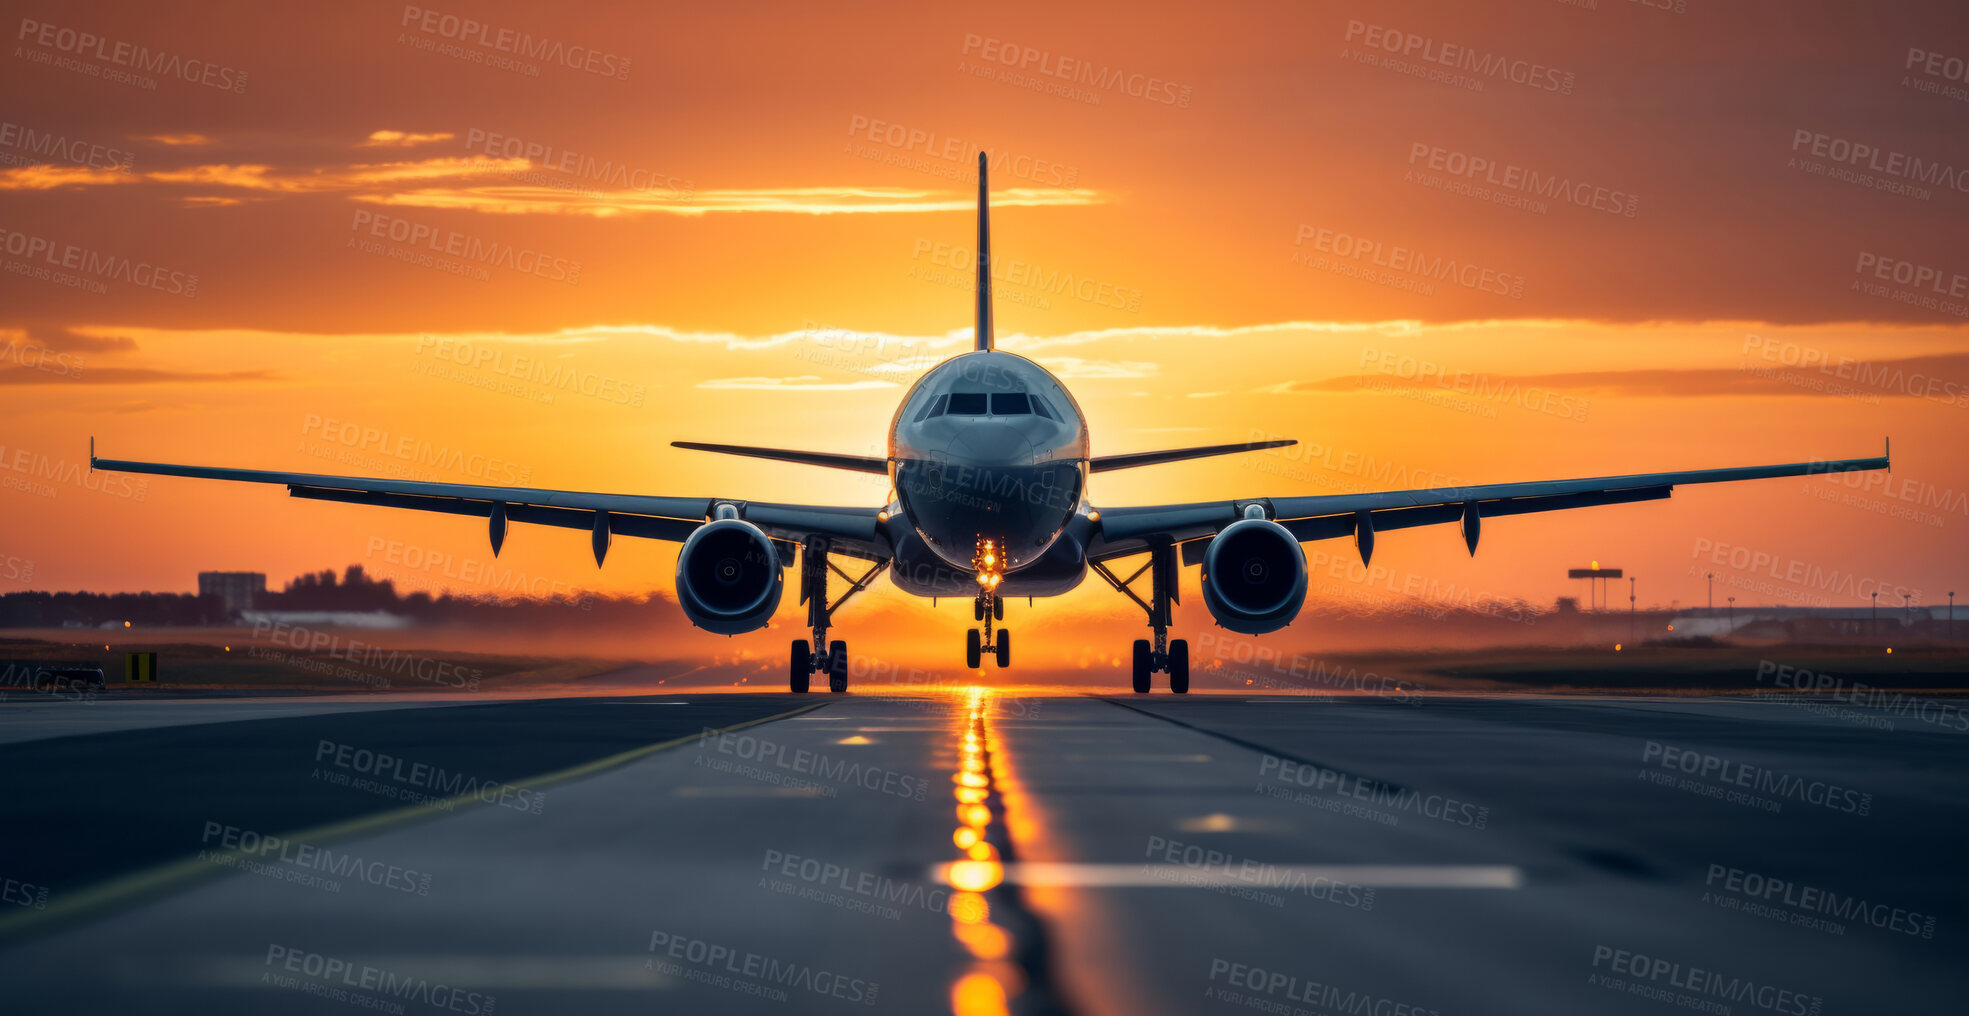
(857, 463)
(1102, 463)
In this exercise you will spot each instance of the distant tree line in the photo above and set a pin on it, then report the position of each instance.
(352, 591)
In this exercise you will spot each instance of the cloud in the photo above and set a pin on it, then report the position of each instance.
(179, 140)
(1945, 376)
(94, 375)
(41, 177)
(519, 187)
(1075, 367)
(803, 383)
(401, 139)
(529, 199)
(68, 340)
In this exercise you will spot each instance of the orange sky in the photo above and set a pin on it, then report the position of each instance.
(725, 225)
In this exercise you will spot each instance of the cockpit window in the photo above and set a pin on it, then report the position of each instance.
(1010, 404)
(934, 408)
(967, 404)
(1039, 406)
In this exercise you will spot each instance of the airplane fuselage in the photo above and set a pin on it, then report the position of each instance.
(988, 447)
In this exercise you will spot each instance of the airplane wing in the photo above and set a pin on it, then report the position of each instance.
(1131, 530)
(852, 531)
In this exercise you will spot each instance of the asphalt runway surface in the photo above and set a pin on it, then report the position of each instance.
(705, 852)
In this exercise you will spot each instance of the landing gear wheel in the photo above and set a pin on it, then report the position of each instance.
(1142, 664)
(837, 667)
(802, 667)
(973, 649)
(1002, 648)
(1179, 666)
(997, 608)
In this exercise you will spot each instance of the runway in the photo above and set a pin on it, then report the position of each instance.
(700, 852)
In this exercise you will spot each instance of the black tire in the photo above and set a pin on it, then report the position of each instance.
(837, 667)
(1142, 665)
(973, 651)
(977, 610)
(998, 608)
(1179, 666)
(1003, 648)
(802, 667)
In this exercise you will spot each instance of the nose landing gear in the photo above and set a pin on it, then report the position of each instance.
(1170, 656)
(989, 561)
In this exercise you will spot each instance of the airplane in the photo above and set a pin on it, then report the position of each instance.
(989, 463)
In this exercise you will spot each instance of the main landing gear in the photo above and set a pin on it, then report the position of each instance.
(988, 607)
(1172, 657)
(819, 655)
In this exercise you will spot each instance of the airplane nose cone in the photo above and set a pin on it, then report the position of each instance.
(991, 446)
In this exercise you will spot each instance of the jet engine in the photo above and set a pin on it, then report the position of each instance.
(728, 577)
(1254, 576)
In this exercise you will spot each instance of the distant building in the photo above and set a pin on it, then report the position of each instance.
(238, 591)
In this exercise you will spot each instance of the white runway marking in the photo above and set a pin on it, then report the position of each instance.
(1180, 876)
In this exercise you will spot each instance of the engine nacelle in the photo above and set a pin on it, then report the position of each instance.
(729, 577)
(1254, 576)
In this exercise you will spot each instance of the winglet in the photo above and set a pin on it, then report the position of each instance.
(1888, 452)
(92, 453)
(982, 327)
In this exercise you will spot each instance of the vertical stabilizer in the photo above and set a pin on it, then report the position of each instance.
(983, 327)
